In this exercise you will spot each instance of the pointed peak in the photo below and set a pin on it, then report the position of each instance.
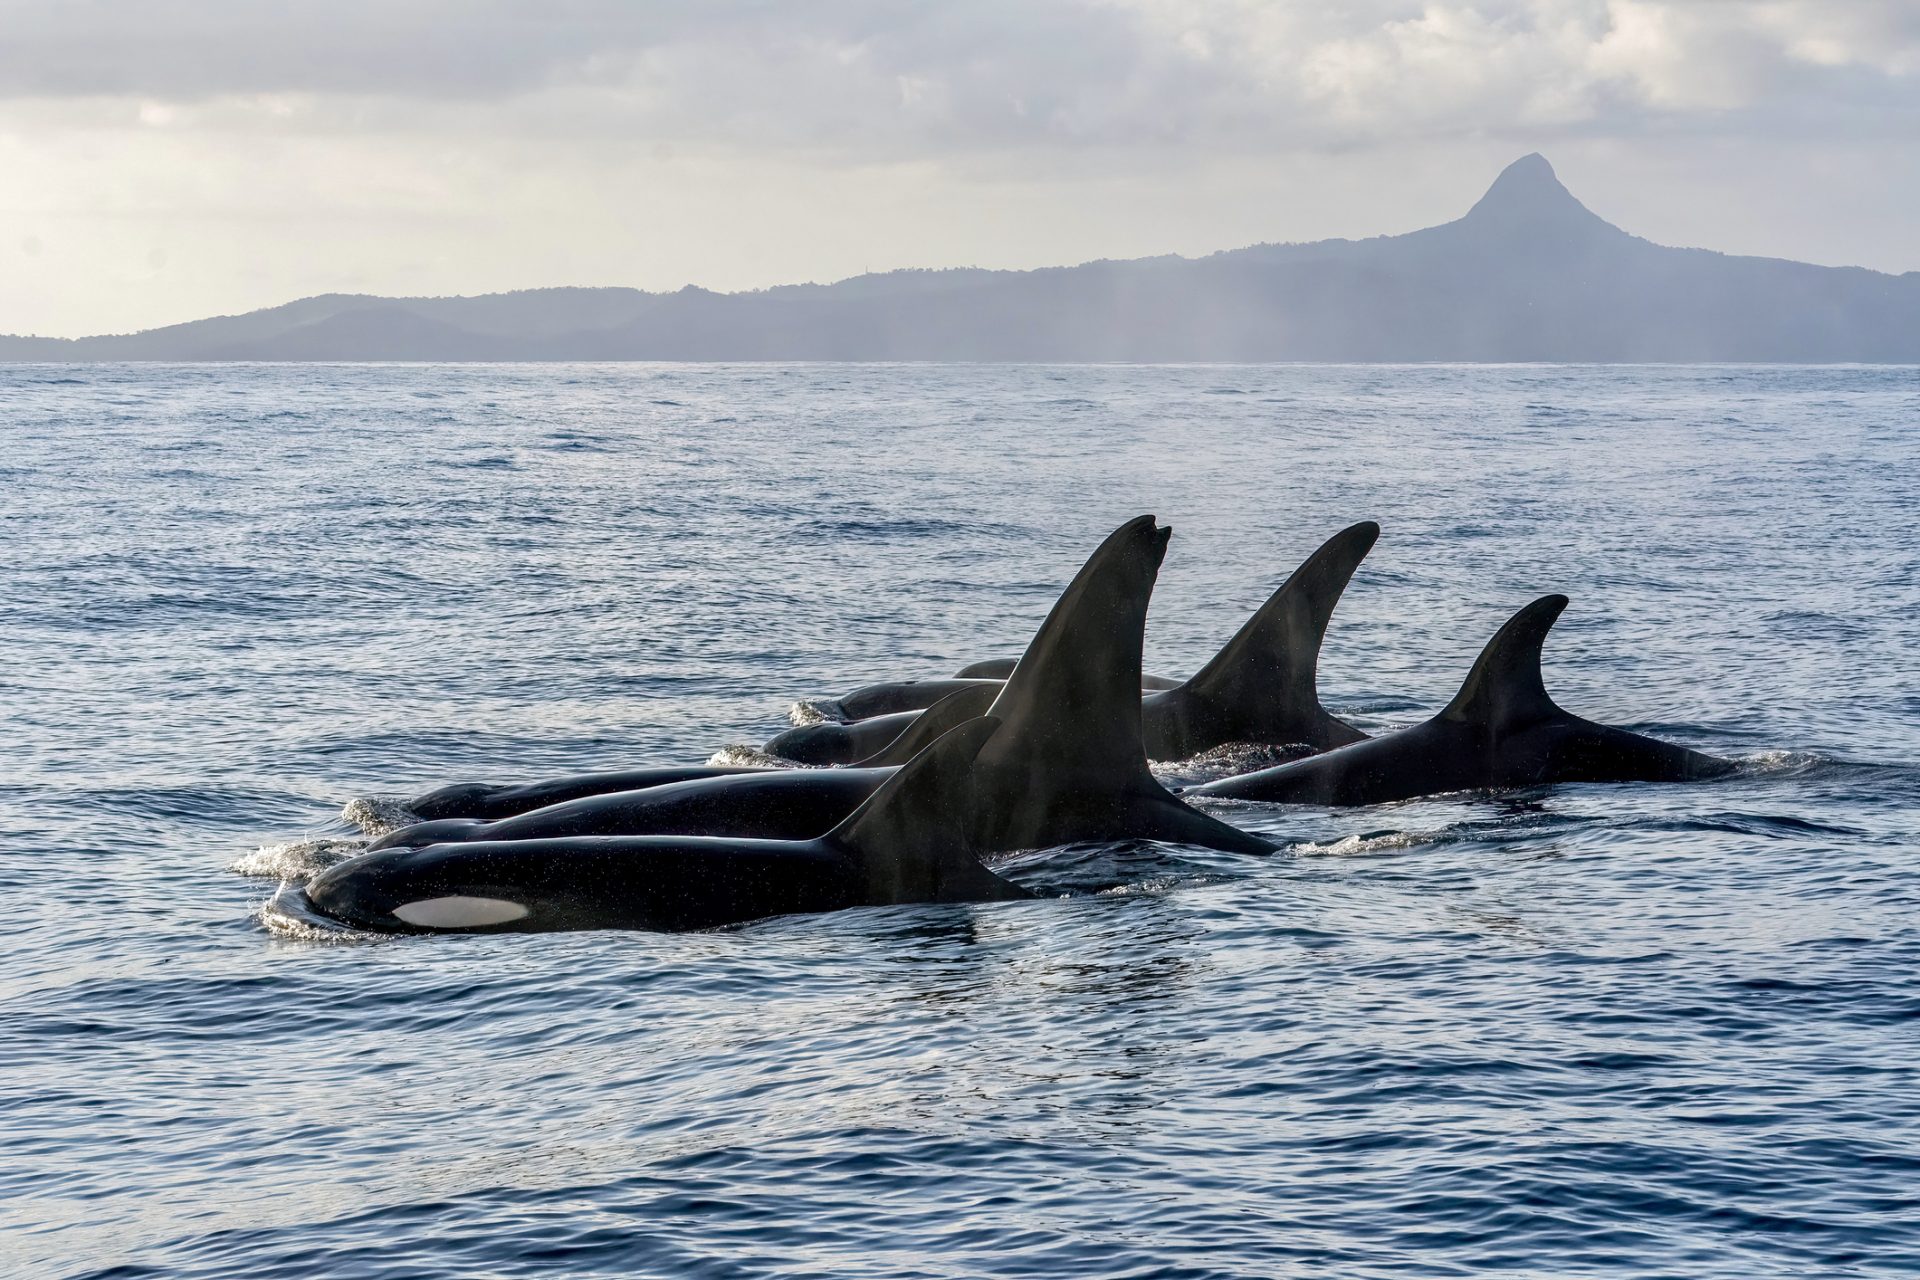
(1527, 195)
(1531, 167)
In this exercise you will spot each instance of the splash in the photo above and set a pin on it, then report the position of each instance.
(816, 711)
(739, 755)
(1228, 760)
(1363, 845)
(288, 914)
(1151, 887)
(378, 815)
(297, 860)
(1778, 763)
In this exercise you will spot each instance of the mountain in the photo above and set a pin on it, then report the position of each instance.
(1528, 274)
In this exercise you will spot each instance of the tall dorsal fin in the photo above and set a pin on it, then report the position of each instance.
(1069, 763)
(1505, 684)
(1276, 655)
(913, 838)
(1075, 693)
(950, 712)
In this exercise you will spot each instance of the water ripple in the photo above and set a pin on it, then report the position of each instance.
(1570, 1031)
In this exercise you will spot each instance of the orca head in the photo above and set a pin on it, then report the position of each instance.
(408, 890)
(932, 724)
(815, 744)
(437, 831)
(459, 800)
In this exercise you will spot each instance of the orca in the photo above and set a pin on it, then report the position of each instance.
(1260, 688)
(481, 800)
(909, 842)
(778, 804)
(1501, 730)
(831, 742)
(1069, 750)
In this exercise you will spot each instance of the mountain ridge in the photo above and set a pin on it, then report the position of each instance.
(1527, 273)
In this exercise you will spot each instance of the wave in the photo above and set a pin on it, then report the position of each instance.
(1363, 845)
(1784, 763)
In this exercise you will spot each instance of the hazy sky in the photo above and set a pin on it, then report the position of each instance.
(162, 160)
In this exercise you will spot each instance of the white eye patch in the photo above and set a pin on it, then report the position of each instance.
(459, 912)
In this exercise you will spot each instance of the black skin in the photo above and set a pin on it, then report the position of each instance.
(772, 804)
(906, 844)
(827, 744)
(1501, 730)
(482, 800)
(1067, 763)
(1260, 688)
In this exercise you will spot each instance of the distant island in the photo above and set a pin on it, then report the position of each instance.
(1528, 274)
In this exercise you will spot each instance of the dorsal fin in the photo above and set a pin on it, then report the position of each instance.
(1069, 763)
(950, 712)
(913, 838)
(1275, 658)
(1075, 693)
(1505, 684)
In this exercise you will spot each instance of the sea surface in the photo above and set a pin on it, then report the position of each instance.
(1631, 1031)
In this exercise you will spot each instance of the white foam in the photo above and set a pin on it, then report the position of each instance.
(457, 911)
(1770, 762)
(378, 815)
(739, 755)
(1152, 886)
(1226, 761)
(297, 860)
(816, 711)
(287, 915)
(1350, 846)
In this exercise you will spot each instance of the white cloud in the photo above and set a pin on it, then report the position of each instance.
(886, 77)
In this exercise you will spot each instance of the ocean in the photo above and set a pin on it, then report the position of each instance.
(1635, 1030)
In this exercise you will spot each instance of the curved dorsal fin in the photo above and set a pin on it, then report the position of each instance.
(1505, 683)
(913, 838)
(1075, 693)
(950, 712)
(1269, 669)
(1069, 763)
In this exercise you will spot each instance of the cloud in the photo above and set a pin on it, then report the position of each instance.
(892, 79)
